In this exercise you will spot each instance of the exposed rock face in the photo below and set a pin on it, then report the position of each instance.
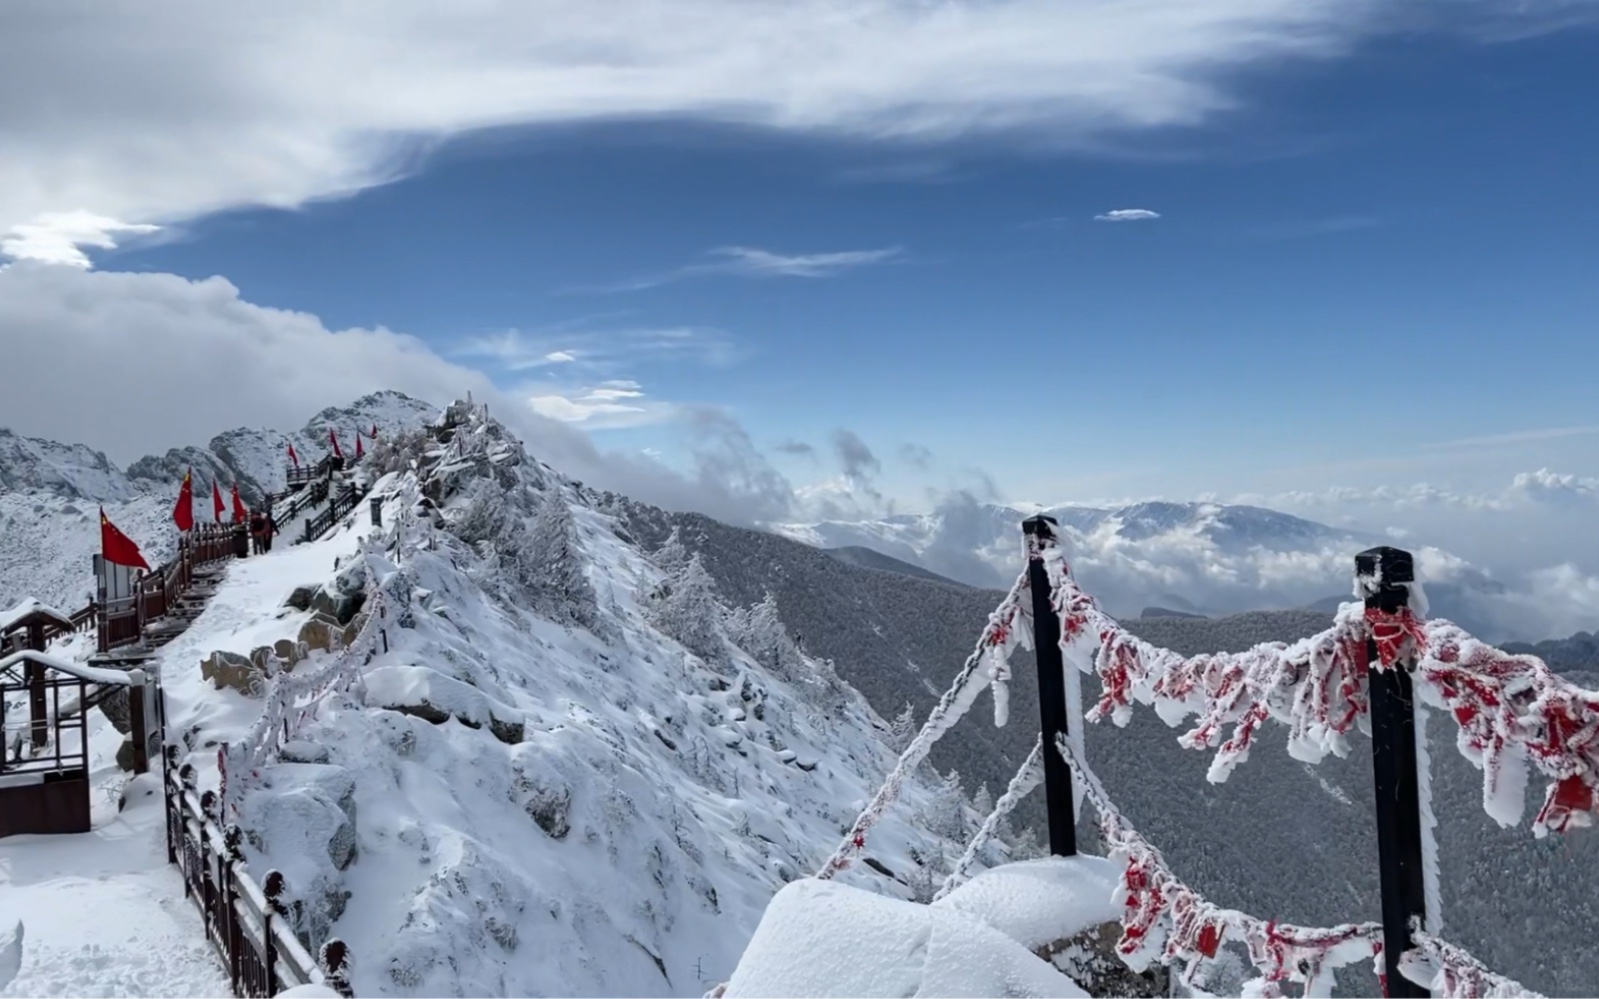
(1090, 959)
(300, 598)
(229, 669)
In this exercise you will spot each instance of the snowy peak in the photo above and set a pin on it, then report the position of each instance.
(72, 470)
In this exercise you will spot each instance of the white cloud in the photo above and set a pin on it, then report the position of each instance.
(749, 260)
(611, 405)
(57, 237)
(1127, 215)
(1519, 437)
(605, 351)
(753, 262)
(137, 363)
(158, 113)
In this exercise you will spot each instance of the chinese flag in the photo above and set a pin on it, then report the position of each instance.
(358, 451)
(374, 431)
(183, 513)
(240, 514)
(333, 438)
(216, 500)
(117, 548)
(294, 459)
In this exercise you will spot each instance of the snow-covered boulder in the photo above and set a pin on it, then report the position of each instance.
(821, 938)
(1062, 909)
(434, 697)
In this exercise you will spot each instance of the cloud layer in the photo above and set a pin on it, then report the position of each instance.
(137, 363)
(167, 112)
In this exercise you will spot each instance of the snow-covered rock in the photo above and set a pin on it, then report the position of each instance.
(822, 939)
(10, 954)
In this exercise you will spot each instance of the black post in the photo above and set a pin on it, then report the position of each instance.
(1382, 573)
(377, 511)
(1039, 534)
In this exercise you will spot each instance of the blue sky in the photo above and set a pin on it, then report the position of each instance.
(1386, 246)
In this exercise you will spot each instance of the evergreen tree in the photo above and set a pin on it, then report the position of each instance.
(903, 729)
(553, 563)
(686, 608)
(946, 812)
(672, 556)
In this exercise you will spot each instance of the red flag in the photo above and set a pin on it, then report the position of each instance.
(358, 451)
(240, 514)
(216, 500)
(374, 431)
(293, 458)
(333, 438)
(117, 548)
(183, 513)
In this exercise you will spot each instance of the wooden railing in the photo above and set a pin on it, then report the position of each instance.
(246, 922)
(342, 505)
(155, 595)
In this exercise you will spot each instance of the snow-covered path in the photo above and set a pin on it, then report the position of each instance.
(104, 913)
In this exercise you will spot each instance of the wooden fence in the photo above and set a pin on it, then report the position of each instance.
(120, 618)
(247, 923)
(343, 504)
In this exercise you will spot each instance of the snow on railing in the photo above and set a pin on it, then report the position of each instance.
(1511, 709)
(292, 699)
(1029, 776)
(1167, 921)
(986, 666)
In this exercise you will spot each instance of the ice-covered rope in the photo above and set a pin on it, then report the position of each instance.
(1028, 777)
(999, 637)
(1511, 709)
(291, 699)
(1165, 920)
(1451, 973)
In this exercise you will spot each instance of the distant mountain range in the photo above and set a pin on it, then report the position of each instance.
(49, 491)
(1207, 559)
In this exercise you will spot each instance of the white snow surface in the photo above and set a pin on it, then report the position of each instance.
(1037, 902)
(10, 954)
(105, 913)
(822, 938)
(686, 808)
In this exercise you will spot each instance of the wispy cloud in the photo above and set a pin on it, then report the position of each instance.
(209, 122)
(916, 456)
(752, 262)
(1519, 437)
(601, 351)
(1127, 215)
(610, 405)
(797, 449)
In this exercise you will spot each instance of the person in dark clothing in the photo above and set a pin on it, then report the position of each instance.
(257, 532)
(269, 528)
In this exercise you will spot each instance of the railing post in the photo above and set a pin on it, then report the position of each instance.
(1382, 574)
(1039, 534)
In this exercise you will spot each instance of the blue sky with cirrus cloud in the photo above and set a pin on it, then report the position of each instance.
(1289, 245)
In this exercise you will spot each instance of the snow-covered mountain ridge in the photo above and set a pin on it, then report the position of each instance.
(49, 491)
(658, 764)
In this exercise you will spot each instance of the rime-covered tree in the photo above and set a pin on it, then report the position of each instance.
(485, 517)
(686, 608)
(673, 555)
(760, 631)
(903, 729)
(945, 814)
(552, 564)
